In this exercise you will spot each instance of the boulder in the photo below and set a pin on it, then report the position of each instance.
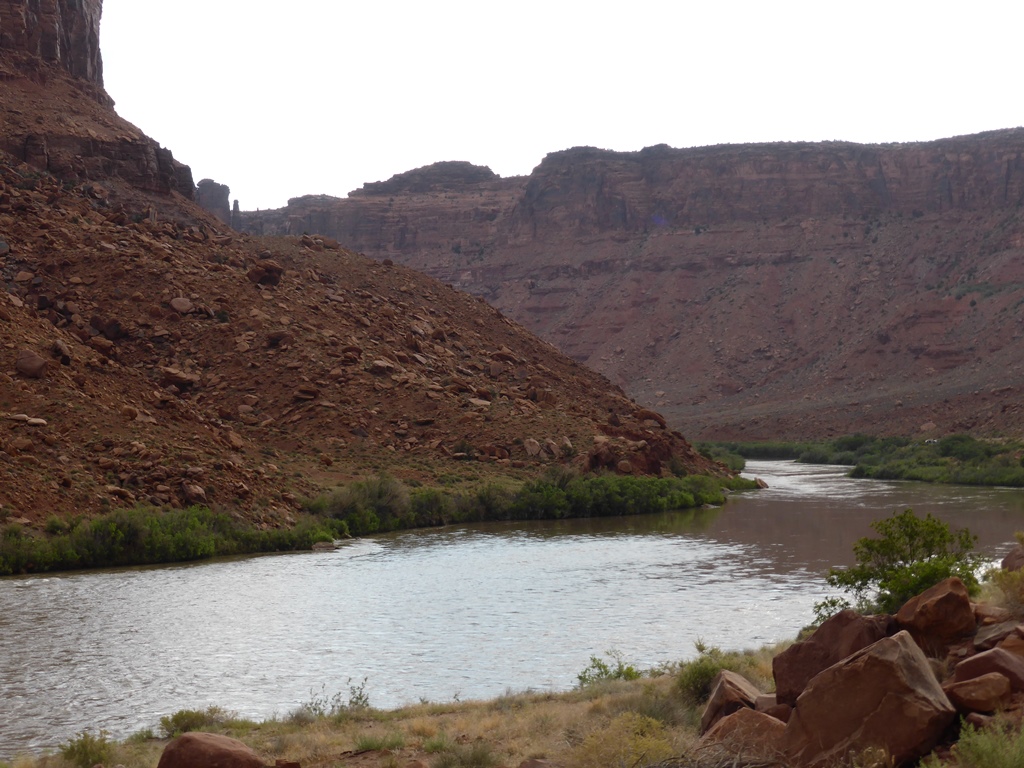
(938, 615)
(990, 636)
(882, 697)
(1000, 660)
(532, 447)
(1014, 643)
(985, 693)
(746, 734)
(181, 305)
(730, 691)
(30, 365)
(208, 750)
(1014, 559)
(266, 272)
(839, 636)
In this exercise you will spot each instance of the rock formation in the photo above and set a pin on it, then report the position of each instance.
(49, 60)
(748, 291)
(215, 198)
(61, 32)
(150, 355)
(859, 685)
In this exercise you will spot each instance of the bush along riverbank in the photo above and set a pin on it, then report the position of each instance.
(144, 536)
(954, 459)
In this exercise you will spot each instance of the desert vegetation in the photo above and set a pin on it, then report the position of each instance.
(147, 535)
(954, 459)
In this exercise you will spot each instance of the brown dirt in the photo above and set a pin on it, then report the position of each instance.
(187, 363)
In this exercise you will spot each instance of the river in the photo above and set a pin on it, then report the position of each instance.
(461, 612)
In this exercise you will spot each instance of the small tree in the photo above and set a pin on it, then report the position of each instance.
(910, 555)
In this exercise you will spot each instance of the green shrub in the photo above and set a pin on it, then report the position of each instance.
(475, 755)
(695, 677)
(910, 555)
(628, 741)
(187, 720)
(86, 750)
(998, 746)
(373, 742)
(441, 742)
(600, 670)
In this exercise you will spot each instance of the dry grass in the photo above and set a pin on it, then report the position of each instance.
(647, 718)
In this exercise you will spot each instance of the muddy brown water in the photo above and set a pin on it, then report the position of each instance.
(462, 612)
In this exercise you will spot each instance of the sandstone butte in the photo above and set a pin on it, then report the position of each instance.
(788, 290)
(150, 354)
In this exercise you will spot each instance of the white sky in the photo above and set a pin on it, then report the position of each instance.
(280, 99)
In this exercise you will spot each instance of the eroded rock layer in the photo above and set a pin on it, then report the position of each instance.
(745, 291)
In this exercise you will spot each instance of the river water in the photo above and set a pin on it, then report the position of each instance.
(461, 612)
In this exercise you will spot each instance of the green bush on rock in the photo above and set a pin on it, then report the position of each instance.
(910, 555)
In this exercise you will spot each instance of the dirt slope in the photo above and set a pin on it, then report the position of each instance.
(148, 354)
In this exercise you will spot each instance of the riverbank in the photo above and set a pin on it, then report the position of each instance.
(609, 720)
(952, 460)
(148, 536)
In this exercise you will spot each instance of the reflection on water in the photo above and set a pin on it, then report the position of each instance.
(467, 611)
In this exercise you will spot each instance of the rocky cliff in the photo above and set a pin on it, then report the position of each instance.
(61, 32)
(148, 355)
(55, 114)
(747, 291)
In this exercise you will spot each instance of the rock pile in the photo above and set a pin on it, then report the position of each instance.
(893, 685)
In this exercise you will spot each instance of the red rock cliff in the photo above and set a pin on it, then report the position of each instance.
(757, 290)
(59, 118)
(61, 32)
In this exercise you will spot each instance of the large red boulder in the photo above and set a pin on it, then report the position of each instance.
(883, 697)
(1000, 660)
(208, 750)
(745, 734)
(939, 615)
(838, 637)
(985, 693)
(730, 691)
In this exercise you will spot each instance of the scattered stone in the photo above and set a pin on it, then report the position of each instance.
(208, 750)
(1000, 660)
(195, 494)
(746, 735)
(532, 447)
(730, 691)
(30, 365)
(938, 615)
(990, 636)
(36, 422)
(985, 693)
(181, 305)
(266, 272)
(21, 445)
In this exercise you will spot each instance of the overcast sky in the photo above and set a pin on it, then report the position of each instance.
(280, 99)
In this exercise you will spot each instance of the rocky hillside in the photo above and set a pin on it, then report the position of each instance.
(762, 291)
(149, 354)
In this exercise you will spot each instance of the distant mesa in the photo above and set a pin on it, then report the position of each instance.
(745, 291)
(451, 175)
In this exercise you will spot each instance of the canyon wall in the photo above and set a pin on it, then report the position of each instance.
(57, 117)
(61, 32)
(785, 289)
